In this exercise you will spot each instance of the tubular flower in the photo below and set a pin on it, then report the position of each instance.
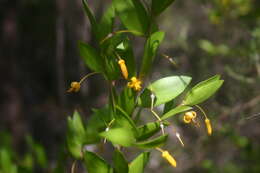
(123, 68)
(208, 126)
(189, 116)
(135, 84)
(74, 87)
(169, 158)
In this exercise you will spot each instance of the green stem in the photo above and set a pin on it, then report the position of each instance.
(85, 77)
(203, 112)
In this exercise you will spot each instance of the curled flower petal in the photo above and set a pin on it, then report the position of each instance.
(135, 84)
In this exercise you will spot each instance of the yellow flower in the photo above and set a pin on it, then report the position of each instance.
(169, 158)
(135, 84)
(189, 116)
(208, 126)
(123, 68)
(74, 87)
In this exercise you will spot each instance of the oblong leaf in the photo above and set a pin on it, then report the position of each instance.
(139, 163)
(202, 91)
(211, 79)
(75, 135)
(95, 164)
(91, 57)
(157, 142)
(133, 15)
(175, 111)
(120, 136)
(168, 88)
(92, 19)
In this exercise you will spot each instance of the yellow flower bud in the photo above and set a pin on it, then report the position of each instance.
(123, 68)
(74, 87)
(208, 126)
(135, 84)
(169, 158)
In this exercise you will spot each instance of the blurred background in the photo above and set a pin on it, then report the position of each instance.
(39, 58)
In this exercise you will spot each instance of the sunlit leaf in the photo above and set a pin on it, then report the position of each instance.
(168, 88)
(121, 136)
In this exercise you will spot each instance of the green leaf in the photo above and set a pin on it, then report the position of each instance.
(139, 163)
(107, 22)
(120, 164)
(158, 6)
(144, 100)
(157, 142)
(148, 130)
(150, 50)
(175, 111)
(40, 155)
(168, 106)
(124, 119)
(205, 82)
(203, 91)
(133, 15)
(91, 57)
(168, 88)
(91, 17)
(76, 135)
(121, 136)
(126, 100)
(6, 164)
(96, 164)
(97, 123)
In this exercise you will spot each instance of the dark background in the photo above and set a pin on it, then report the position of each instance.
(39, 58)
